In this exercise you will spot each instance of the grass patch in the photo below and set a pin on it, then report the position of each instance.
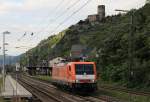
(127, 97)
(124, 96)
(1, 82)
(44, 77)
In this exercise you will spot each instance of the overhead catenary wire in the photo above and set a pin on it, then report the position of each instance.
(69, 17)
(56, 7)
(50, 12)
(51, 20)
(25, 34)
(22, 36)
(60, 15)
(12, 27)
(67, 3)
(68, 8)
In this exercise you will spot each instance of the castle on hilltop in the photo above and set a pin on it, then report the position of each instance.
(91, 19)
(99, 16)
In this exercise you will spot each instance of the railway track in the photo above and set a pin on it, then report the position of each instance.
(126, 90)
(44, 96)
(49, 93)
(142, 93)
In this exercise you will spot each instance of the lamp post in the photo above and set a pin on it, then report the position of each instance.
(3, 72)
(17, 70)
(130, 47)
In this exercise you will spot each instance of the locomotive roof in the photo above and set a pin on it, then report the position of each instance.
(70, 63)
(80, 63)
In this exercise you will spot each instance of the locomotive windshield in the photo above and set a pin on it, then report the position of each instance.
(82, 69)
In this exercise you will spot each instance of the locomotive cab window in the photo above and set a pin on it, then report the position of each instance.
(82, 69)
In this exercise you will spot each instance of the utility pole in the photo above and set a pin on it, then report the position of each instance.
(3, 72)
(130, 48)
(130, 52)
(131, 45)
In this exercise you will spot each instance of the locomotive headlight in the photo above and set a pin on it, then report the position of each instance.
(93, 81)
(77, 81)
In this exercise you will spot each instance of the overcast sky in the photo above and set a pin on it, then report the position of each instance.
(38, 16)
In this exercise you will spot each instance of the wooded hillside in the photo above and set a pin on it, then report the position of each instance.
(109, 40)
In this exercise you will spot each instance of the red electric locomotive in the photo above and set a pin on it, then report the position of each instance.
(75, 75)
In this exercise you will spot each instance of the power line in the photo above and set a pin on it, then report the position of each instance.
(16, 29)
(67, 3)
(22, 36)
(67, 9)
(63, 13)
(59, 4)
(56, 7)
(13, 27)
(68, 18)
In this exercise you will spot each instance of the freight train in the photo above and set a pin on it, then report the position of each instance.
(75, 75)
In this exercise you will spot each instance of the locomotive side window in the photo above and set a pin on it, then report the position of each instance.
(69, 68)
(84, 69)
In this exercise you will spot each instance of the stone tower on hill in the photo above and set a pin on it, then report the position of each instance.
(99, 16)
(101, 12)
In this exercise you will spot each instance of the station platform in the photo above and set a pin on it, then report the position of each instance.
(14, 89)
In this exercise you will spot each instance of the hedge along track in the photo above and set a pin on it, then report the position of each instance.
(48, 93)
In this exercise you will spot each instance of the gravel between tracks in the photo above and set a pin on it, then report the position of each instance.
(49, 93)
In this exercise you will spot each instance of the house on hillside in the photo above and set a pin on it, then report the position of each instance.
(78, 52)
